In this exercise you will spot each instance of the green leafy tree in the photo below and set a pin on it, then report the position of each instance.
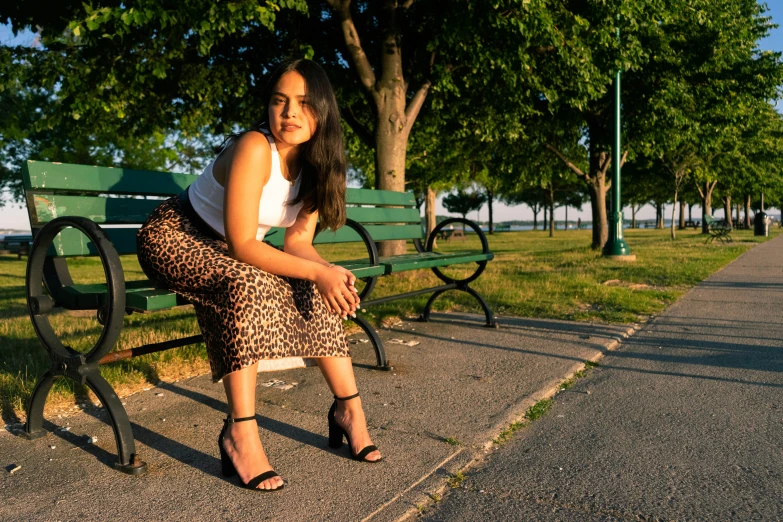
(139, 84)
(462, 202)
(699, 65)
(583, 108)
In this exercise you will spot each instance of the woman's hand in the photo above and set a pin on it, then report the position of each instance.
(336, 286)
(351, 282)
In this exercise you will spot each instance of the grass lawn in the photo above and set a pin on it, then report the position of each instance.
(532, 276)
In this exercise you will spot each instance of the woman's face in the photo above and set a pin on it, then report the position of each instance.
(291, 119)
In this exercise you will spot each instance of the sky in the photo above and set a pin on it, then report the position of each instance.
(14, 216)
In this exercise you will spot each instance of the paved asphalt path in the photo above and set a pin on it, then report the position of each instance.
(682, 422)
(462, 383)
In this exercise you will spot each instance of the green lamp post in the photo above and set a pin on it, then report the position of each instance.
(616, 247)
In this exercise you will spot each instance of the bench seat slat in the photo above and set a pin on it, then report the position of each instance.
(377, 232)
(71, 242)
(362, 268)
(99, 210)
(430, 260)
(383, 215)
(66, 177)
(143, 295)
(379, 197)
(134, 210)
(139, 295)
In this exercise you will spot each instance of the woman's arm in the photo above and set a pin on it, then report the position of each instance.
(248, 170)
(299, 242)
(299, 238)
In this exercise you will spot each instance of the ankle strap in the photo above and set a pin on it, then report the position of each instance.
(229, 420)
(347, 398)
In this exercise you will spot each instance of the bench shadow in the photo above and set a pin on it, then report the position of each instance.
(204, 462)
(81, 441)
(165, 445)
(9, 415)
(523, 326)
(288, 431)
(462, 342)
(15, 276)
(732, 355)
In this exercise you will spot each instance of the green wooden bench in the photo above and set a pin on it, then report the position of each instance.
(719, 230)
(78, 210)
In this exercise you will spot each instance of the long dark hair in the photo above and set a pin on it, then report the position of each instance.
(323, 171)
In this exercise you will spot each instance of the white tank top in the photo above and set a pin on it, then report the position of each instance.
(206, 196)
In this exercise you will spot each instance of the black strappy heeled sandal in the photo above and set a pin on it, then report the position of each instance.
(336, 434)
(228, 467)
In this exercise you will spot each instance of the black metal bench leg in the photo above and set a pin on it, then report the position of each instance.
(424, 316)
(377, 344)
(491, 322)
(33, 428)
(127, 460)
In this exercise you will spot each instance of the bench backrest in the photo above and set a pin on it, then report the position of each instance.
(123, 198)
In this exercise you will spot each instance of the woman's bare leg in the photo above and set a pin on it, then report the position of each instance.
(338, 373)
(242, 442)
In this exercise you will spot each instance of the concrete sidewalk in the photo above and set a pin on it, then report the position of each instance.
(683, 422)
(462, 382)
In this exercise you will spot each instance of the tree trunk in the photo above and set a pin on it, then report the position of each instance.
(633, 216)
(727, 210)
(747, 211)
(659, 221)
(566, 218)
(464, 216)
(682, 215)
(551, 219)
(429, 212)
(599, 132)
(386, 85)
(489, 203)
(390, 149)
(597, 193)
(535, 216)
(674, 210)
(596, 187)
(736, 213)
(706, 205)
(690, 212)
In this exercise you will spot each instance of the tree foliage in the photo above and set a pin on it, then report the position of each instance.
(512, 95)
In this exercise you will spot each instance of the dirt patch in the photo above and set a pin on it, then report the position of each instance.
(631, 286)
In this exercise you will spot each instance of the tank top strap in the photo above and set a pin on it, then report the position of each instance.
(269, 138)
(277, 171)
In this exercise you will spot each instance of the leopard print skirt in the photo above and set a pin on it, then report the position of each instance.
(246, 315)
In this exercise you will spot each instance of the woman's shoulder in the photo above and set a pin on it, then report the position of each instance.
(251, 146)
(254, 138)
(247, 156)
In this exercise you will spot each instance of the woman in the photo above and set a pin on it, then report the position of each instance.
(254, 302)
